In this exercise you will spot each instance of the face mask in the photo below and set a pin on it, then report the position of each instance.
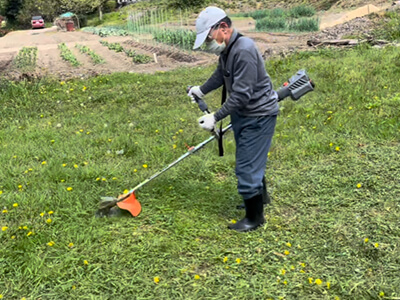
(214, 47)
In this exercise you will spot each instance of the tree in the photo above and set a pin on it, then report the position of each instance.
(11, 10)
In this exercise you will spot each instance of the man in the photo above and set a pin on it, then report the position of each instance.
(252, 105)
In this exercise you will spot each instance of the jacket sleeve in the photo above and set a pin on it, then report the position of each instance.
(244, 79)
(215, 81)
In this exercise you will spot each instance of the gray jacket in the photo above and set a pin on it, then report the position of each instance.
(247, 83)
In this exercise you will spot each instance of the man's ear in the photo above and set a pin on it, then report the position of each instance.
(223, 25)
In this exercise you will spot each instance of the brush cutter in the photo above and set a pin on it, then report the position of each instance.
(128, 200)
(296, 87)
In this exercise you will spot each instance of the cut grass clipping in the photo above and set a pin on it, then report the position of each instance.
(332, 230)
(67, 55)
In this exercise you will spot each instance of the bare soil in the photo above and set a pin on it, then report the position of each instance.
(165, 58)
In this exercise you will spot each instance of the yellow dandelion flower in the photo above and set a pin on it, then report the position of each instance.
(359, 185)
(269, 154)
(318, 281)
(50, 244)
(88, 132)
(85, 262)
(114, 178)
(98, 179)
(283, 271)
(84, 88)
(23, 298)
(330, 144)
(292, 268)
(51, 212)
(328, 285)
(85, 163)
(286, 252)
(5, 211)
(44, 162)
(308, 116)
(41, 116)
(285, 282)
(376, 245)
(366, 240)
(73, 287)
(62, 82)
(225, 259)
(233, 221)
(20, 186)
(1, 192)
(381, 294)
(303, 265)
(337, 298)
(15, 205)
(52, 141)
(71, 245)
(350, 107)
(145, 166)
(48, 221)
(135, 170)
(196, 277)
(302, 271)
(180, 130)
(110, 140)
(156, 280)
(64, 165)
(25, 227)
(4, 228)
(76, 166)
(29, 233)
(126, 192)
(289, 244)
(13, 237)
(42, 214)
(238, 260)
(173, 146)
(69, 189)
(310, 280)
(103, 179)
(157, 131)
(337, 149)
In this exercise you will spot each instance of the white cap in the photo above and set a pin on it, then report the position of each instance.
(207, 19)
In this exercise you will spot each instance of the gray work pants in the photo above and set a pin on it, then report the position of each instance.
(253, 137)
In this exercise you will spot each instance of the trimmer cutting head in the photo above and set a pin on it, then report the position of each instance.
(111, 207)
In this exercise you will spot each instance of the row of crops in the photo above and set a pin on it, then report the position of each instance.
(26, 59)
(136, 58)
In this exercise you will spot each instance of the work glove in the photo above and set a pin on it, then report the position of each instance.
(195, 91)
(207, 122)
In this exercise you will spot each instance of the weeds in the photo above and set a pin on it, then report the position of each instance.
(332, 228)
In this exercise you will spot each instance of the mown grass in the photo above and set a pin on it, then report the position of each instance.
(332, 230)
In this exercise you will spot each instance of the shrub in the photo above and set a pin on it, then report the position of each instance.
(273, 24)
(302, 11)
(304, 25)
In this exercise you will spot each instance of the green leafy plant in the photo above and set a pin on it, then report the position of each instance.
(67, 55)
(95, 57)
(26, 58)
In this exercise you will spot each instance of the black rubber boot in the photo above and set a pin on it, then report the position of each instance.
(266, 198)
(254, 215)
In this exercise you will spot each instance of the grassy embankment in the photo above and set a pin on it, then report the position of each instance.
(332, 229)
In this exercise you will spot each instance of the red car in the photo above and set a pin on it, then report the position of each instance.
(37, 22)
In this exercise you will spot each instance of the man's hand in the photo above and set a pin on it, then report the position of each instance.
(195, 91)
(207, 122)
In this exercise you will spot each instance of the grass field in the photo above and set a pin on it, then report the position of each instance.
(332, 230)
